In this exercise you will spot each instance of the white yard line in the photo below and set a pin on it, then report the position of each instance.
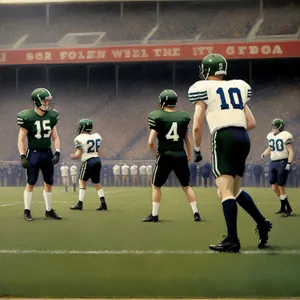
(142, 252)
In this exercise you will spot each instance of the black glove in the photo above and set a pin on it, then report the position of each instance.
(55, 158)
(199, 156)
(24, 161)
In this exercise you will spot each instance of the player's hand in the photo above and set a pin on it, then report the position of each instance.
(55, 158)
(262, 157)
(73, 156)
(189, 158)
(24, 161)
(199, 156)
(288, 167)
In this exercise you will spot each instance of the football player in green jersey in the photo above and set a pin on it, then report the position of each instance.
(170, 127)
(224, 105)
(38, 125)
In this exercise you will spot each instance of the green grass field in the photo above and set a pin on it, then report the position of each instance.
(114, 254)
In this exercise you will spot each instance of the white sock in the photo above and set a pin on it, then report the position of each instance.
(194, 206)
(48, 200)
(81, 194)
(27, 199)
(283, 197)
(155, 207)
(101, 193)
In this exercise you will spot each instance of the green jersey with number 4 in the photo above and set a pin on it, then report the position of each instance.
(171, 128)
(39, 127)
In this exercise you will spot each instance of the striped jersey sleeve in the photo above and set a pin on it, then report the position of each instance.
(78, 143)
(197, 93)
(22, 119)
(249, 94)
(151, 122)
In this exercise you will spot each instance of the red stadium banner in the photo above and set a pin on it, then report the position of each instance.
(138, 53)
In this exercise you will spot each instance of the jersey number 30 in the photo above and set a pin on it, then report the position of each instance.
(94, 145)
(234, 94)
(172, 134)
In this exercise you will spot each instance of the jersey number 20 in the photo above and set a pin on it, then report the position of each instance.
(234, 94)
(94, 145)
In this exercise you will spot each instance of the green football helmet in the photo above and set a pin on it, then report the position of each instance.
(212, 65)
(167, 98)
(39, 96)
(277, 125)
(85, 125)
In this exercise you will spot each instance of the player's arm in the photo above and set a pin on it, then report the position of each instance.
(250, 120)
(100, 152)
(290, 149)
(267, 152)
(200, 108)
(79, 150)
(21, 140)
(151, 142)
(188, 144)
(56, 143)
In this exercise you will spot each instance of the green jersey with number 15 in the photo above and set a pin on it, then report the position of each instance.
(39, 127)
(171, 128)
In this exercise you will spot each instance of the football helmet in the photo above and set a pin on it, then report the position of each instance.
(277, 125)
(167, 98)
(42, 99)
(85, 125)
(212, 65)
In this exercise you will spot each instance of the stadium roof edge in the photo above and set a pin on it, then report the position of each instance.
(16, 2)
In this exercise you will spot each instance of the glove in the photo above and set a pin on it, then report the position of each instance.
(55, 158)
(199, 156)
(24, 161)
(288, 167)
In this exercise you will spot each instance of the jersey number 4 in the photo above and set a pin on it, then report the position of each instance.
(43, 130)
(235, 98)
(94, 145)
(172, 134)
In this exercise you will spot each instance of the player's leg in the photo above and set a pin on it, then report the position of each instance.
(84, 176)
(182, 172)
(74, 182)
(65, 183)
(281, 180)
(95, 177)
(161, 172)
(32, 176)
(47, 170)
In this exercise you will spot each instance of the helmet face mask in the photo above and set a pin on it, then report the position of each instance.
(42, 99)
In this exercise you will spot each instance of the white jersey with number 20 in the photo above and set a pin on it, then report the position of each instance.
(89, 143)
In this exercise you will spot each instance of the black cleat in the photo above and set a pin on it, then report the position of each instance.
(263, 233)
(103, 206)
(280, 211)
(78, 206)
(150, 218)
(226, 246)
(287, 213)
(27, 215)
(52, 215)
(197, 217)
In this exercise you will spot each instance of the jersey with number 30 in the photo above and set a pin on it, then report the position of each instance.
(277, 144)
(225, 101)
(171, 128)
(89, 143)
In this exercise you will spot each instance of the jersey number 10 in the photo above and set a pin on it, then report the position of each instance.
(233, 94)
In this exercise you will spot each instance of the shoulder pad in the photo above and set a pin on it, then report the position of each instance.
(198, 91)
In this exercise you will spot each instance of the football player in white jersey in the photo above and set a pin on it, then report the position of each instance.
(64, 169)
(224, 105)
(282, 155)
(88, 148)
(73, 172)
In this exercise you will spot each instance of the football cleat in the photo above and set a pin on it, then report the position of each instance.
(280, 211)
(151, 218)
(287, 213)
(197, 217)
(27, 215)
(78, 206)
(263, 232)
(52, 215)
(103, 206)
(226, 246)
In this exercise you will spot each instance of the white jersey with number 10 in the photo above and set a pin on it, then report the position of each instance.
(89, 143)
(225, 101)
